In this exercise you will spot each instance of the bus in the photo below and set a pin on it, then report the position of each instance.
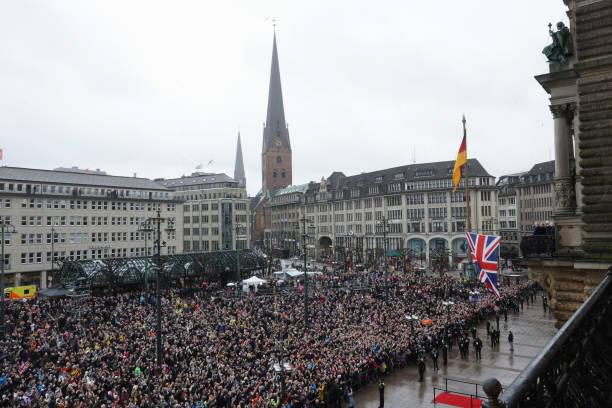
(20, 292)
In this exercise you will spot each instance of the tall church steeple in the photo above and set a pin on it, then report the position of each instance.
(276, 147)
(239, 164)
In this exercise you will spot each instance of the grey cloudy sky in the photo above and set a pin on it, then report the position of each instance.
(159, 87)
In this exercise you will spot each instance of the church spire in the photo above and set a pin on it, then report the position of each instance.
(276, 127)
(239, 165)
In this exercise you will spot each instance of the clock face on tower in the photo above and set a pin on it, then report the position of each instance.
(278, 143)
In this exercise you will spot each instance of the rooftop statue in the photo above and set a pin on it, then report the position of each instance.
(561, 47)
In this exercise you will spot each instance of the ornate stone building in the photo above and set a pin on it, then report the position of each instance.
(579, 83)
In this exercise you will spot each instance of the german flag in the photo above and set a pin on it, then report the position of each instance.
(460, 162)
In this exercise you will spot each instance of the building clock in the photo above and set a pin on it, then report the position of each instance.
(278, 143)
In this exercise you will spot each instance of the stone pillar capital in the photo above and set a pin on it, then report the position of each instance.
(563, 110)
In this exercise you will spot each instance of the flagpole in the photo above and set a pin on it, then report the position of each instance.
(468, 227)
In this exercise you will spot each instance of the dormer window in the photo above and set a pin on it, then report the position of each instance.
(423, 173)
(378, 179)
(399, 176)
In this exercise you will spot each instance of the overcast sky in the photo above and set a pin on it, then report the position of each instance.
(156, 88)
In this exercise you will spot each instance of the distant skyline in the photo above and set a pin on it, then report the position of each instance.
(134, 87)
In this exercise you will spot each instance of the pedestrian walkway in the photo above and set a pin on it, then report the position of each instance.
(532, 329)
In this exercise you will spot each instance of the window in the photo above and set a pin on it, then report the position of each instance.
(395, 200)
(485, 195)
(279, 159)
(423, 173)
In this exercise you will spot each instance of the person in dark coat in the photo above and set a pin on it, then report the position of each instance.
(478, 347)
(511, 340)
(445, 354)
(488, 328)
(421, 367)
(434, 359)
(497, 319)
(381, 393)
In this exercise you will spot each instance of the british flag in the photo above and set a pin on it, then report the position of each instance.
(485, 253)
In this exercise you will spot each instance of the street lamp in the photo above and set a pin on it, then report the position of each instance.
(412, 319)
(238, 227)
(157, 221)
(384, 224)
(280, 368)
(448, 305)
(10, 229)
(305, 236)
(146, 228)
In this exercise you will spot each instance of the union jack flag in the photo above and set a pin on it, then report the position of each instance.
(485, 253)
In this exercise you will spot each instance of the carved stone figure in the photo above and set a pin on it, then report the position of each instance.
(561, 47)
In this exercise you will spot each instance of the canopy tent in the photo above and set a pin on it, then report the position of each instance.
(252, 282)
(294, 273)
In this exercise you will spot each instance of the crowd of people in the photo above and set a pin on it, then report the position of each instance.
(220, 351)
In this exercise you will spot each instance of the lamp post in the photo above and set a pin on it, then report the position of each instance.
(146, 228)
(448, 305)
(412, 319)
(238, 227)
(157, 221)
(304, 220)
(384, 224)
(6, 228)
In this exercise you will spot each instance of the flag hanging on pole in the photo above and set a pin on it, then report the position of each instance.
(485, 253)
(1, 153)
(459, 163)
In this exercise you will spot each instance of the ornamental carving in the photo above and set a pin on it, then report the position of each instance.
(564, 193)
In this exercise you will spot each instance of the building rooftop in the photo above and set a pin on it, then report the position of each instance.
(411, 172)
(299, 188)
(196, 179)
(542, 168)
(81, 177)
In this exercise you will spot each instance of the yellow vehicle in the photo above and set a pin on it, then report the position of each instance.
(20, 292)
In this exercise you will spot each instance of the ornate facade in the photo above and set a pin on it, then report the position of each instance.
(580, 89)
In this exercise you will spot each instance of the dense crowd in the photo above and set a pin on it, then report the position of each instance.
(219, 351)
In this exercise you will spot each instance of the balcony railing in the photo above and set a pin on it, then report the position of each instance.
(538, 246)
(574, 369)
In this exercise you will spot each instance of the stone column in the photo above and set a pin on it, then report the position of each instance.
(578, 175)
(564, 188)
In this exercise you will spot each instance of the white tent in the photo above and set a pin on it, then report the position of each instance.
(253, 281)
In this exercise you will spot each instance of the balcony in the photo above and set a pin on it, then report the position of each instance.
(574, 369)
(538, 246)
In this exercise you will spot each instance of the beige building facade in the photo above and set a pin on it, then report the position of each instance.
(215, 212)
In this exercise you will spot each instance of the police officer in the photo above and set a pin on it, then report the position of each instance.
(421, 367)
(478, 347)
(445, 353)
(434, 359)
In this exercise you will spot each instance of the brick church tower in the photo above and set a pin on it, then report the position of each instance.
(276, 166)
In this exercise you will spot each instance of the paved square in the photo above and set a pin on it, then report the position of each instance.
(532, 329)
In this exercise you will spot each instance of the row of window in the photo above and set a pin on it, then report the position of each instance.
(88, 191)
(84, 254)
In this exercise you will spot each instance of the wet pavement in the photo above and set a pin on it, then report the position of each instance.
(532, 329)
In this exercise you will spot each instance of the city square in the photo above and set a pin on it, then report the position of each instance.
(434, 229)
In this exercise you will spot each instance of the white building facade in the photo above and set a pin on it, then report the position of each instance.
(72, 214)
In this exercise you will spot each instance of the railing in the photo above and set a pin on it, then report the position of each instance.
(474, 397)
(538, 246)
(575, 367)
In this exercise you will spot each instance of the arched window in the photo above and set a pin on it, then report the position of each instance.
(283, 174)
(279, 159)
(274, 174)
